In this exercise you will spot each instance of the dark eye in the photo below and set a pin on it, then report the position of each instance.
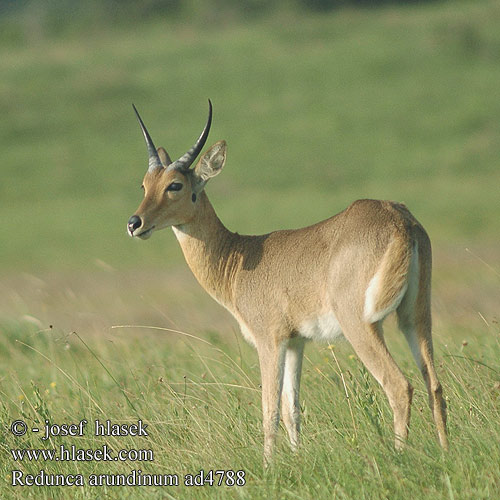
(175, 186)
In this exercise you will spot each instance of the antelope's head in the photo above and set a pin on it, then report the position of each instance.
(171, 188)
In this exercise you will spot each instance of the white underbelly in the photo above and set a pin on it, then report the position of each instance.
(323, 328)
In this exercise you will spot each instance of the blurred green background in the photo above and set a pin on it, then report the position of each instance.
(319, 106)
(321, 103)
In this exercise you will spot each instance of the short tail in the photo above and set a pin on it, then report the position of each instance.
(390, 282)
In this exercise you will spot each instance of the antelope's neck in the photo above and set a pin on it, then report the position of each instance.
(211, 251)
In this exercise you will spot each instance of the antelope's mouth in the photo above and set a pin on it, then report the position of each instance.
(145, 234)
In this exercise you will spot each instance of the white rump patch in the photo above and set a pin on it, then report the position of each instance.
(371, 295)
(324, 328)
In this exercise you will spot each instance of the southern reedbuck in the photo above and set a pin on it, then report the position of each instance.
(343, 275)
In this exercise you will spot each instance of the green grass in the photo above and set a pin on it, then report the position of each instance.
(201, 401)
(395, 102)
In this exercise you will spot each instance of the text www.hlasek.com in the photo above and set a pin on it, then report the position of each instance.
(74, 454)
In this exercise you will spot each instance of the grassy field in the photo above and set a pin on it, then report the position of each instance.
(201, 400)
(397, 102)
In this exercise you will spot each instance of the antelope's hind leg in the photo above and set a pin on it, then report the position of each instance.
(414, 319)
(368, 343)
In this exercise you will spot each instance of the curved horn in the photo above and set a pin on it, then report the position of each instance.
(185, 161)
(154, 159)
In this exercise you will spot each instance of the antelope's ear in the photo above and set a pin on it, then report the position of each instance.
(165, 159)
(209, 165)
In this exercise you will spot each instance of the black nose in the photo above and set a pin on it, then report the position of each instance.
(133, 223)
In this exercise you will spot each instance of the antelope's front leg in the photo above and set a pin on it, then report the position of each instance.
(290, 406)
(272, 362)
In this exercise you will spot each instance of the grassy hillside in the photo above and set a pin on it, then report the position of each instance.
(395, 102)
(398, 103)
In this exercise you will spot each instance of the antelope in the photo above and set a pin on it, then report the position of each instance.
(340, 277)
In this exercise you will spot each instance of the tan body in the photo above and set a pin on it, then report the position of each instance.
(343, 275)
